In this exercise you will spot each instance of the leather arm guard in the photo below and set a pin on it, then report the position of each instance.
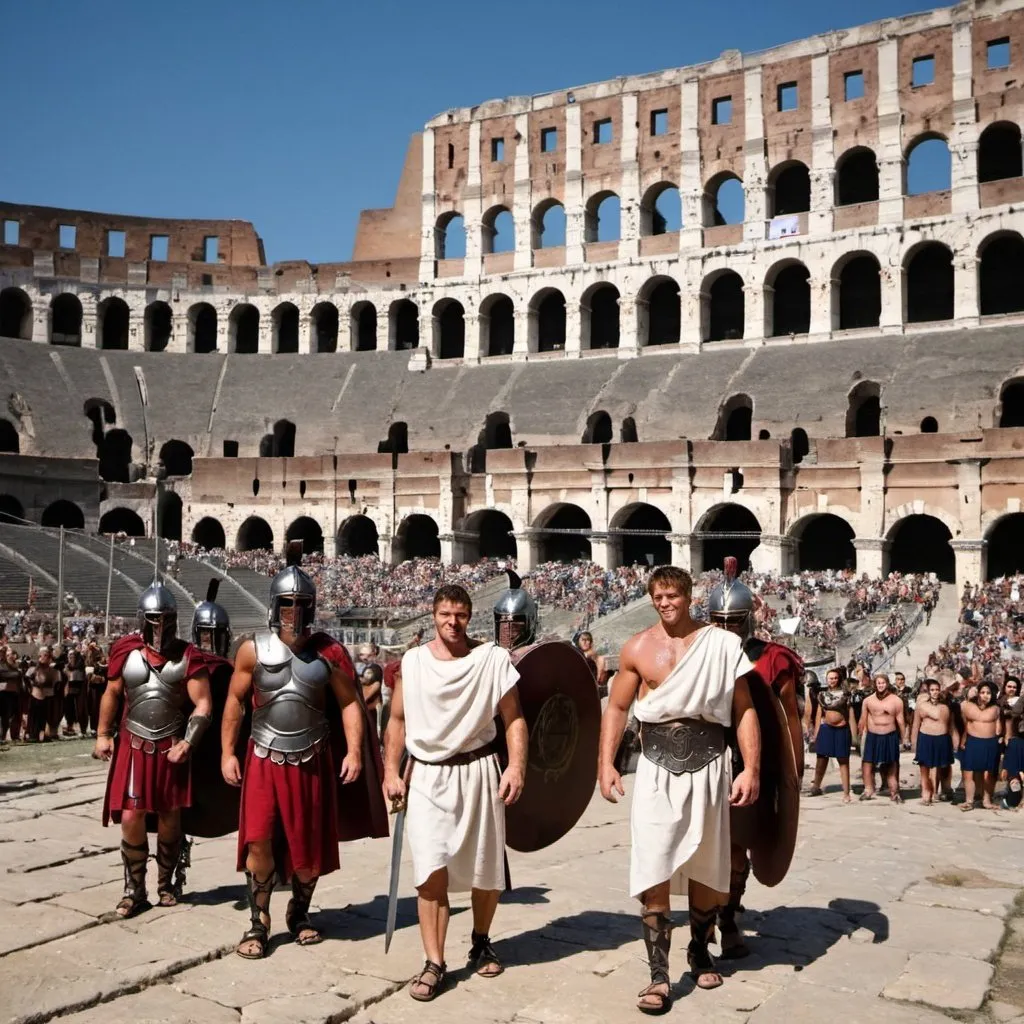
(197, 725)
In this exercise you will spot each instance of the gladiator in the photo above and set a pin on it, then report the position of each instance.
(299, 791)
(979, 745)
(833, 737)
(1013, 758)
(933, 738)
(157, 676)
(881, 730)
(689, 681)
(12, 685)
(777, 670)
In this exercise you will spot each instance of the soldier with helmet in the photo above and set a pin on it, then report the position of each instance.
(773, 687)
(158, 676)
(299, 791)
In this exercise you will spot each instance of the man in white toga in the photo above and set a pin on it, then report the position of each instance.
(443, 711)
(687, 679)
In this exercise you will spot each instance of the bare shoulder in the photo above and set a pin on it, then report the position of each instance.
(635, 645)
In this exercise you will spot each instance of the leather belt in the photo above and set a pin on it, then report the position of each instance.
(472, 755)
(683, 746)
(151, 746)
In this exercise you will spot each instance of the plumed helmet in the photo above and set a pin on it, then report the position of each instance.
(732, 603)
(293, 585)
(515, 616)
(211, 626)
(158, 617)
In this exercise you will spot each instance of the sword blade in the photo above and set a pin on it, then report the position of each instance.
(396, 868)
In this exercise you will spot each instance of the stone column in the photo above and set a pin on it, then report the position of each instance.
(755, 173)
(428, 212)
(223, 331)
(136, 328)
(754, 311)
(522, 203)
(770, 555)
(574, 211)
(965, 287)
(890, 142)
(522, 332)
(428, 331)
(573, 326)
(90, 336)
(41, 321)
(681, 550)
(179, 333)
(963, 143)
(307, 332)
(969, 556)
(819, 220)
(527, 553)
(821, 303)
(629, 189)
(872, 555)
(472, 207)
(383, 329)
(602, 550)
(891, 284)
(629, 343)
(265, 344)
(474, 346)
(691, 186)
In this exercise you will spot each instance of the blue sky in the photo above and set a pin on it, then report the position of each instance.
(297, 115)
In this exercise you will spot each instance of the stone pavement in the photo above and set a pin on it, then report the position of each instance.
(889, 913)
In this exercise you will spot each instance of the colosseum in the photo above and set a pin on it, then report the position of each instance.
(655, 317)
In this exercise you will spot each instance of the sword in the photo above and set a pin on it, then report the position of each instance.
(398, 806)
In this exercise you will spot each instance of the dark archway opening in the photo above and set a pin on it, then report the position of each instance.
(101, 414)
(792, 190)
(1012, 402)
(497, 432)
(308, 531)
(825, 542)
(857, 178)
(170, 516)
(598, 429)
(281, 443)
(860, 294)
(407, 325)
(929, 425)
(730, 530)
(791, 301)
(325, 326)
(494, 534)
(930, 284)
(66, 320)
(999, 152)
(11, 510)
(663, 314)
(15, 314)
(255, 534)
(1006, 547)
(452, 325)
(650, 547)
(501, 326)
(245, 326)
(417, 537)
(122, 520)
(864, 411)
(286, 323)
(9, 440)
(364, 317)
(64, 513)
(800, 444)
(628, 433)
(204, 328)
(357, 537)
(603, 317)
(726, 315)
(114, 317)
(738, 424)
(209, 534)
(177, 458)
(551, 322)
(920, 543)
(566, 547)
(397, 442)
(115, 455)
(157, 326)
(1001, 274)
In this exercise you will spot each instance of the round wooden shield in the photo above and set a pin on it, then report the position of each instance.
(563, 714)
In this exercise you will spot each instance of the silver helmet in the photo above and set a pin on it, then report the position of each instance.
(211, 626)
(732, 603)
(515, 616)
(292, 588)
(158, 617)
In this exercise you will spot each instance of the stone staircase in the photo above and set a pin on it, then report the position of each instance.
(914, 655)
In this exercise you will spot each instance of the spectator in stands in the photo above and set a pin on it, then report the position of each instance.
(43, 678)
(75, 709)
(12, 686)
(367, 655)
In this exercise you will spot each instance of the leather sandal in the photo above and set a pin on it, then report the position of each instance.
(134, 901)
(296, 917)
(657, 933)
(482, 955)
(431, 978)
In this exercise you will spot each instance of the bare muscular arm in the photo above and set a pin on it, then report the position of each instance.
(915, 727)
(199, 693)
(234, 710)
(109, 703)
(516, 738)
(747, 785)
(624, 688)
(394, 745)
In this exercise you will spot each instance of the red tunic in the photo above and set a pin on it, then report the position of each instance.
(302, 808)
(140, 777)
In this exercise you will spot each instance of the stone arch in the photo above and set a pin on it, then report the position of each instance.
(547, 321)
(157, 326)
(789, 189)
(357, 537)
(602, 217)
(169, 512)
(722, 302)
(113, 318)
(999, 152)
(864, 410)
(724, 200)
(15, 314)
(497, 231)
(177, 458)
(417, 537)
(928, 165)
(661, 210)
(921, 543)
(1001, 273)
(450, 236)
(284, 321)
(493, 535)
(929, 425)
(63, 513)
(1005, 554)
(799, 444)
(11, 510)
(928, 283)
(208, 533)
(628, 432)
(1010, 411)
(735, 419)
(563, 546)
(244, 329)
(115, 455)
(202, 328)
(403, 325)
(787, 300)
(450, 329)
(727, 529)
(309, 531)
(599, 428)
(659, 312)
(649, 545)
(255, 534)
(122, 520)
(547, 224)
(599, 316)
(857, 177)
(324, 318)
(497, 325)
(280, 442)
(364, 326)
(856, 291)
(10, 441)
(823, 541)
(66, 320)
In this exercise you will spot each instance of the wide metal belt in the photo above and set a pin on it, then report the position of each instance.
(683, 746)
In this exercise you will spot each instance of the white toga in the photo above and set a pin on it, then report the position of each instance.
(454, 816)
(680, 823)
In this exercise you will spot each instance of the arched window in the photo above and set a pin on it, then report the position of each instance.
(498, 231)
(308, 531)
(66, 320)
(177, 458)
(722, 307)
(403, 325)
(1000, 274)
(860, 292)
(660, 312)
(325, 326)
(9, 440)
(800, 445)
(255, 534)
(202, 328)
(857, 177)
(929, 167)
(122, 520)
(661, 210)
(789, 300)
(157, 326)
(450, 237)
(63, 513)
(548, 224)
(11, 510)
(929, 425)
(15, 314)
(498, 325)
(724, 201)
(735, 418)
(599, 428)
(397, 442)
(450, 324)
(285, 321)
(999, 152)
(789, 189)
(115, 455)
(929, 283)
(284, 439)
(169, 516)
(113, 318)
(602, 218)
(1011, 400)
(417, 537)
(244, 329)
(547, 321)
(864, 410)
(209, 534)
(600, 316)
(364, 327)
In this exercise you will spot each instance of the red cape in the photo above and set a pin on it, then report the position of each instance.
(121, 648)
(775, 661)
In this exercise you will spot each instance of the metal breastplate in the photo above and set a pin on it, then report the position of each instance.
(683, 746)
(834, 700)
(155, 697)
(289, 699)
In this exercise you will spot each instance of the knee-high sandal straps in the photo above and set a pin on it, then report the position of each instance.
(297, 915)
(134, 859)
(733, 946)
(168, 853)
(258, 893)
(697, 956)
(656, 928)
